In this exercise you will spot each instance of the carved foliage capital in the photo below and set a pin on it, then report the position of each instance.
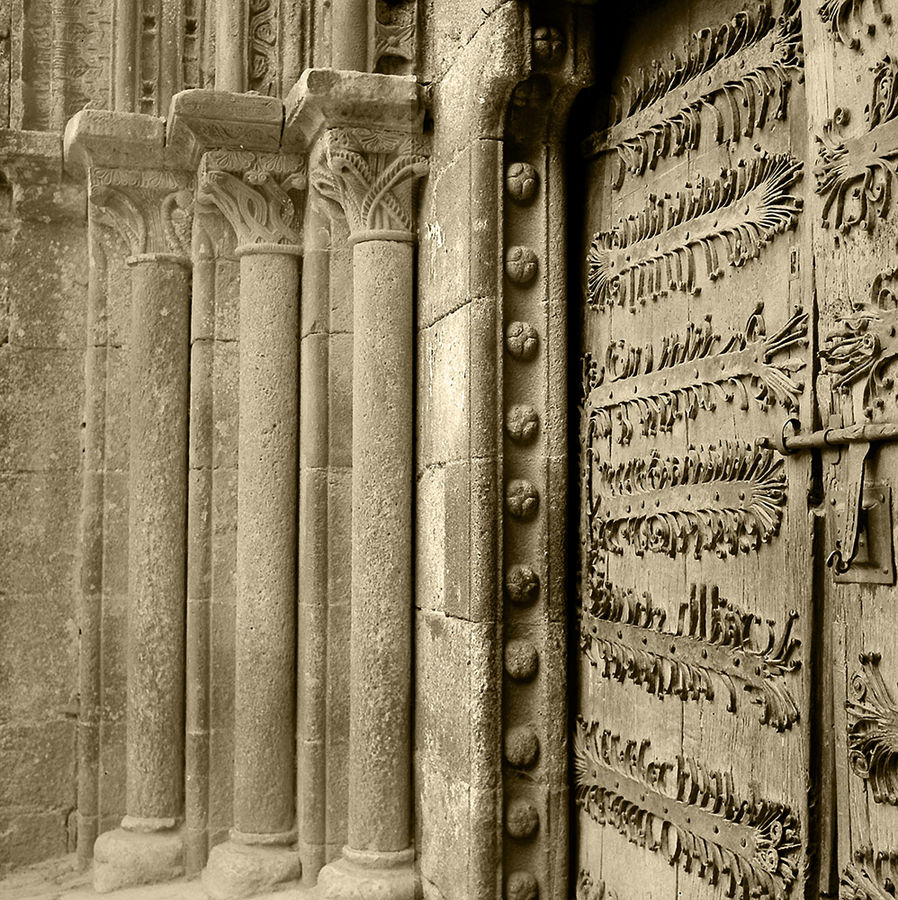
(151, 210)
(252, 191)
(372, 175)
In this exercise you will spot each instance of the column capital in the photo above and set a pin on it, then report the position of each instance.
(150, 209)
(252, 191)
(372, 174)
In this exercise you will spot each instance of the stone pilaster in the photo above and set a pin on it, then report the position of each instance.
(252, 191)
(151, 210)
(369, 168)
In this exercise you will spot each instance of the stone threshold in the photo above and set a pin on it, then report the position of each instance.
(61, 879)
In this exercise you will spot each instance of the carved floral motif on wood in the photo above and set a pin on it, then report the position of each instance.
(871, 876)
(714, 643)
(726, 498)
(721, 222)
(844, 20)
(856, 176)
(863, 345)
(688, 813)
(873, 731)
(691, 372)
(740, 73)
(588, 888)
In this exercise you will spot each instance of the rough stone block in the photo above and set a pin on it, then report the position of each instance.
(443, 390)
(39, 655)
(40, 409)
(40, 542)
(445, 246)
(235, 870)
(340, 391)
(28, 837)
(225, 395)
(38, 764)
(47, 290)
(227, 300)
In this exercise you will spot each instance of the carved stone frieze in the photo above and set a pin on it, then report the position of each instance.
(262, 46)
(371, 175)
(727, 220)
(395, 36)
(252, 191)
(863, 344)
(689, 814)
(691, 372)
(873, 731)
(150, 209)
(714, 643)
(856, 176)
(726, 498)
(740, 73)
(871, 876)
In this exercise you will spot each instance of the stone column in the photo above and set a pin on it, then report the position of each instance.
(251, 191)
(372, 176)
(152, 210)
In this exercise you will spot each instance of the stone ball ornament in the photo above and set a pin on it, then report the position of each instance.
(521, 746)
(521, 264)
(522, 340)
(521, 659)
(522, 499)
(521, 182)
(522, 423)
(548, 45)
(521, 819)
(521, 885)
(522, 585)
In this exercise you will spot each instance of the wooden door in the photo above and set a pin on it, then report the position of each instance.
(736, 727)
(691, 742)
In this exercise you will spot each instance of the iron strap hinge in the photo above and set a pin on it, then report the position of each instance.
(863, 543)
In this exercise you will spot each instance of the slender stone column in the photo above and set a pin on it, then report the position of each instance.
(251, 191)
(349, 30)
(152, 210)
(371, 174)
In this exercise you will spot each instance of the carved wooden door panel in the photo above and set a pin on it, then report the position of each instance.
(852, 64)
(691, 741)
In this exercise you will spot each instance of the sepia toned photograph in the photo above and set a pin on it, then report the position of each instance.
(447, 449)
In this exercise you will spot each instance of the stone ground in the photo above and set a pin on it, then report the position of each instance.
(60, 879)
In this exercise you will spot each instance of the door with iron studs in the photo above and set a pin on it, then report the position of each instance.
(735, 727)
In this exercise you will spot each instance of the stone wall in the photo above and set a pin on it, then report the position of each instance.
(43, 308)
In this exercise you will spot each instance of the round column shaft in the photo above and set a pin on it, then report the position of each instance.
(160, 331)
(148, 847)
(382, 480)
(350, 35)
(266, 547)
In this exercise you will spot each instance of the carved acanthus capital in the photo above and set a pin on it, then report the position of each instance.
(151, 210)
(372, 175)
(252, 191)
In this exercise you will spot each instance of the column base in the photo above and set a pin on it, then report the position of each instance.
(236, 870)
(370, 876)
(130, 858)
